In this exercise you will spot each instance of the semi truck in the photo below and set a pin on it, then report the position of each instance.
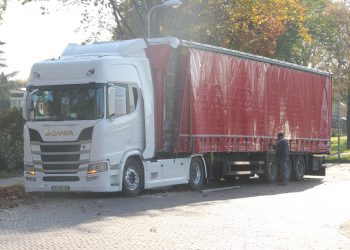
(139, 114)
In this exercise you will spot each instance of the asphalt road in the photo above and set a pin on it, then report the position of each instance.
(313, 214)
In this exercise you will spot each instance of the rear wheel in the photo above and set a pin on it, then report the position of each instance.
(299, 168)
(196, 174)
(271, 171)
(132, 178)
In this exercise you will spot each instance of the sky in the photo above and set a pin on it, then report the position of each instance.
(31, 36)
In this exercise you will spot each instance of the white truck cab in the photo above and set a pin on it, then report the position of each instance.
(90, 123)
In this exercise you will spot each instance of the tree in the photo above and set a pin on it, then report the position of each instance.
(340, 12)
(6, 84)
(2, 65)
(247, 25)
(311, 52)
(255, 26)
(11, 139)
(3, 5)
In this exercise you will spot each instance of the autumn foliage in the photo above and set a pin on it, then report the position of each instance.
(255, 26)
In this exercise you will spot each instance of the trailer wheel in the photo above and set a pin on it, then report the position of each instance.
(271, 171)
(196, 174)
(132, 178)
(299, 168)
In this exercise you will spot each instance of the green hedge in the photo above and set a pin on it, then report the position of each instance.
(11, 139)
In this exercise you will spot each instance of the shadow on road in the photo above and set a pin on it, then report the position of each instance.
(244, 189)
(64, 210)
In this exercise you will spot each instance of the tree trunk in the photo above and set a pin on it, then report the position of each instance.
(348, 120)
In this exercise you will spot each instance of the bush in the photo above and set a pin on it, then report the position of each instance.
(11, 139)
(334, 132)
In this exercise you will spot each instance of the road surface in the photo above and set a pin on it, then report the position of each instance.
(313, 214)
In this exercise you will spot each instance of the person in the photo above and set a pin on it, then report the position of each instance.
(282, 157)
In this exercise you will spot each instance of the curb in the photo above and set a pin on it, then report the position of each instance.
(11, 182)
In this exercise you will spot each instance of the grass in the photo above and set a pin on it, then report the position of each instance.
(8, 174)
(345, 153)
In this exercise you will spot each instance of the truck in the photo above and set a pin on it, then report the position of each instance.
(145, 113)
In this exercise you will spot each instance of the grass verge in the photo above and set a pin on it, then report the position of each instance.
(344, 152)
(9, 174)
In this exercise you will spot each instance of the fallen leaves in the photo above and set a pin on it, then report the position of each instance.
(13, 196)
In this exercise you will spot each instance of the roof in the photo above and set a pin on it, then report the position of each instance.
(126, 48)
(248, 56)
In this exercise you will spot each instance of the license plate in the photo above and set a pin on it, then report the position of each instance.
(60, 188)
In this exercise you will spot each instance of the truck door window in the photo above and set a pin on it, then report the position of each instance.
(131, 99)
(111, 101)
(118, 103)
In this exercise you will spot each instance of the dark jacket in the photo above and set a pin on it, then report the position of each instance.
(282, 149)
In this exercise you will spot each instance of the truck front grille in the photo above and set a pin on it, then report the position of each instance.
(60, 168)
(61, 157)
(60, 148)
(61, 178)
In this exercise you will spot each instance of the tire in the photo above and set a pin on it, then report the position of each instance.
(271, 171)
(299, 168)
(132, 178)
(196, 174)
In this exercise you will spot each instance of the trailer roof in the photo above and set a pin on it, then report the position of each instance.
(244, 55)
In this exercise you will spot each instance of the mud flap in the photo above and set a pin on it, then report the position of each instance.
(316, 166)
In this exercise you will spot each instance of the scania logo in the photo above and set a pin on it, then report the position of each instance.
(58, 132)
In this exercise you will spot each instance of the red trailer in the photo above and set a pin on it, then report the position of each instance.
(229, 107)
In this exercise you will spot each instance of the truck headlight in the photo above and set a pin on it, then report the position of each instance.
(29, 169)
(97, 167)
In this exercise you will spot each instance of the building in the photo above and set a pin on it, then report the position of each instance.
(16, 97)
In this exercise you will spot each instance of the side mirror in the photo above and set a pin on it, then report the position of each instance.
(25, 106)
(120, 101)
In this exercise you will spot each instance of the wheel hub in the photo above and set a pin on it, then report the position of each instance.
(132, 178)
(195, 173)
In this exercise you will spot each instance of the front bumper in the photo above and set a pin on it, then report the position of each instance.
(109, 181)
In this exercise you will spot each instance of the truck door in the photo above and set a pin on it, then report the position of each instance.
(124, 127)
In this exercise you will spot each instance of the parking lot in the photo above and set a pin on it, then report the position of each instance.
(312, 214)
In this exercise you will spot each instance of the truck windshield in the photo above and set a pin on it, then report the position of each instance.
(84, 102)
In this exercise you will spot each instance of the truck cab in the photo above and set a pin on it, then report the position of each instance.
(86, 113)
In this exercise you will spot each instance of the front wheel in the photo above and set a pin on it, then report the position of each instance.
(196, 174)
(132, 178)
